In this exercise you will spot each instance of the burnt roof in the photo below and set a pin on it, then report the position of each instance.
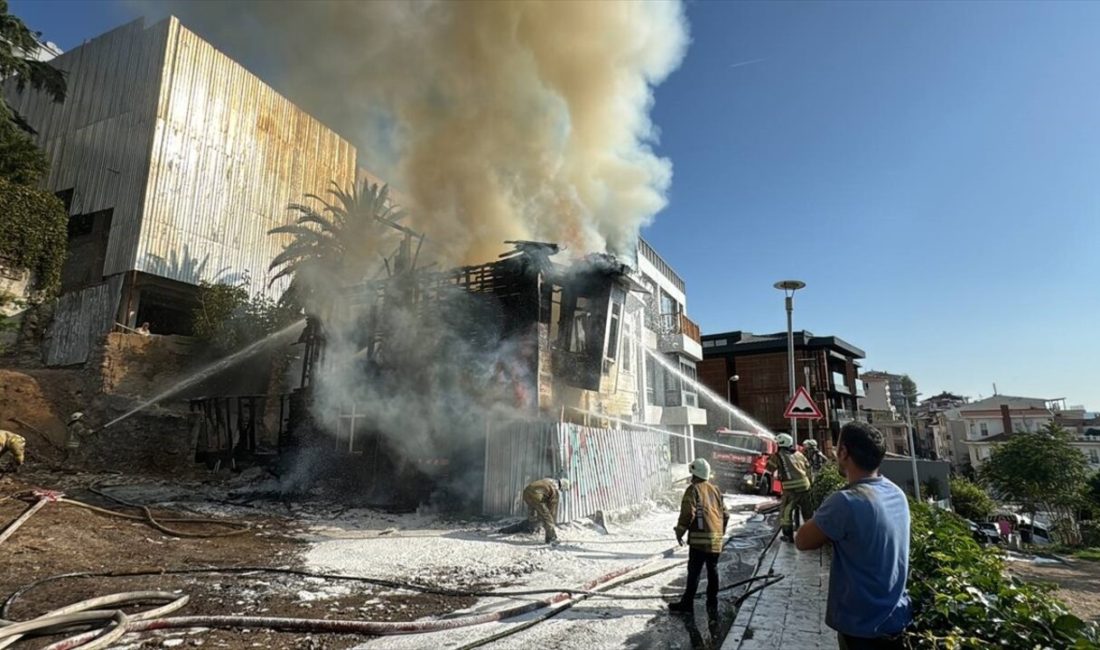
(739, 342)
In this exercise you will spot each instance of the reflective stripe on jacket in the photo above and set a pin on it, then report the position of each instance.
(703, 517)
(793, 470)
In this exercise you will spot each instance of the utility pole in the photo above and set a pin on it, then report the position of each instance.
(912, 449)
(806, 372)
(788, 287)
(729, 398)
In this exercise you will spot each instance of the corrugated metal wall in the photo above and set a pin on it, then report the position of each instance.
(229, 154)
(609, 468)
(98, 140)
(80, 320)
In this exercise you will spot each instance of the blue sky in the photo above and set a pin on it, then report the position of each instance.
(930, 170)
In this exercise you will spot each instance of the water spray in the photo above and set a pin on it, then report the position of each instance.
(656, 430)
(213, 369)
(742, 417)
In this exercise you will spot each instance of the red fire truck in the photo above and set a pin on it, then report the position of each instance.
(740, 462)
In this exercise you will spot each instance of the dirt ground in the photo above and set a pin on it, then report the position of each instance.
(62, 538)
(1078, 583)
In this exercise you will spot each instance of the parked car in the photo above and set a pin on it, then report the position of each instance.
(740, 462)
(985, 532)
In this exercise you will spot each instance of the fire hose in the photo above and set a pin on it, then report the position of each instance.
(153, 621)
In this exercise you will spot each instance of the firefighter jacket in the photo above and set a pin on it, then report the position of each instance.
(13, 443)
(544, 490)
(75, 433)
(817, 460)
(703, 517)
(793, 470)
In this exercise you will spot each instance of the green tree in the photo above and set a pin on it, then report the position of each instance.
(20, 160)
(34, 224)
(227, 319)
(909, 389)
(963, 598)
(970, 500)
(1042, 472)
(337, 244)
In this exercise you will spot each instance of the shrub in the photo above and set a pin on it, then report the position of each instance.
(970, 500)
(35, 227)
(962, 597)
(829, 480)
(227, 320)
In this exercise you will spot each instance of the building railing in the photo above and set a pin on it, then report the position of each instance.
(646, 251)
(678, 323)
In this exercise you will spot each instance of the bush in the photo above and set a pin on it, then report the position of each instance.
(970, 500)
(226, 319)
(963, 599)
(35, 227)
(829, 480)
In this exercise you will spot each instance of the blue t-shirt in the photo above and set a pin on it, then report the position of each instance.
(868, 524)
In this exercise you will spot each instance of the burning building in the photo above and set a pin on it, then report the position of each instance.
(478, 379)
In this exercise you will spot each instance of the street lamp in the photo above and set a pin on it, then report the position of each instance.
(912, 448)
(729, 398)
(788, 287)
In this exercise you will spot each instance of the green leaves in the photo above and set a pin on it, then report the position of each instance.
(227, 319)
(963, 599)
(33, 223)
(970, 500)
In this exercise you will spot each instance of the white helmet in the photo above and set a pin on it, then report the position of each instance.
(784, 440)
(700, 468)
(564, 484)
(810, 443)
(76, 416)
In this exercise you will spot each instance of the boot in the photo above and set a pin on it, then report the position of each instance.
(788, 535)
(680, 607)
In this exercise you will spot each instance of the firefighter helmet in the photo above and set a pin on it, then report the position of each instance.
(811, 443)
(76, 416)
(700, 468)
(564, 484)
(784, 440)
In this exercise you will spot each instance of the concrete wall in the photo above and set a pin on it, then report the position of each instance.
(900, 471)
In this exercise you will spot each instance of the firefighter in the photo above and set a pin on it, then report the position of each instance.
(15, 444)
(794, 474)
(75, 433)
(542, 498)
(814, 457)
(703, 517)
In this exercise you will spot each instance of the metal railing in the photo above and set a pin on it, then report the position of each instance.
(678, 323)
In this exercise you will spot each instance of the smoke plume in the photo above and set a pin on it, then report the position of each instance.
(494, 120)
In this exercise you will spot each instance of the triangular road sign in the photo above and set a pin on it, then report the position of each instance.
(802, 407)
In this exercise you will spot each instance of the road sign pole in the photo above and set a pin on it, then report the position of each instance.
(806, 372)
(790, 359)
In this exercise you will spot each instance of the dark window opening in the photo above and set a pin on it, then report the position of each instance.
(88, 237)
(66, 197)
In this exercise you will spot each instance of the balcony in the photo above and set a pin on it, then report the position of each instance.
(676, 333)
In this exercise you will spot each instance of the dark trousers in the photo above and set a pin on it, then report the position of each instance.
(849, 642)
(697, 559)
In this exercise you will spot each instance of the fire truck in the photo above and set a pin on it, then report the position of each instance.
(740, 459)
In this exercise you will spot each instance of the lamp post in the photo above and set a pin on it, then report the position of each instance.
(912, 448)
(729, 398)
(788, 287)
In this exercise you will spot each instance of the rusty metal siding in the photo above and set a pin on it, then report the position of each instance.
(609, 468)
(229, 153)
(98, 140)
(80, 320)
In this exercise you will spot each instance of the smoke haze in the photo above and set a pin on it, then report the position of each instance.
(495, 120)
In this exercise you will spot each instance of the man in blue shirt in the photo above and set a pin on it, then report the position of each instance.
(868, 524)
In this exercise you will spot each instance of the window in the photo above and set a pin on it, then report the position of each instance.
(613, 332)
(582, 322)
(720, 342)
(650, 381)
(628, 341)
(81, 224)
(985, 429)
(708, 344)
(1094, 456)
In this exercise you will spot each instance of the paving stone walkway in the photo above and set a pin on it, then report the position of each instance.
(790, 613)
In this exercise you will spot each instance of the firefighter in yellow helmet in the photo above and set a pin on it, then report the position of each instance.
(14, 444)
(794, 473)
(703, 517)
(75, 434)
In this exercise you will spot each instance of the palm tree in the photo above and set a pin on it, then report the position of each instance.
(338, 243)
